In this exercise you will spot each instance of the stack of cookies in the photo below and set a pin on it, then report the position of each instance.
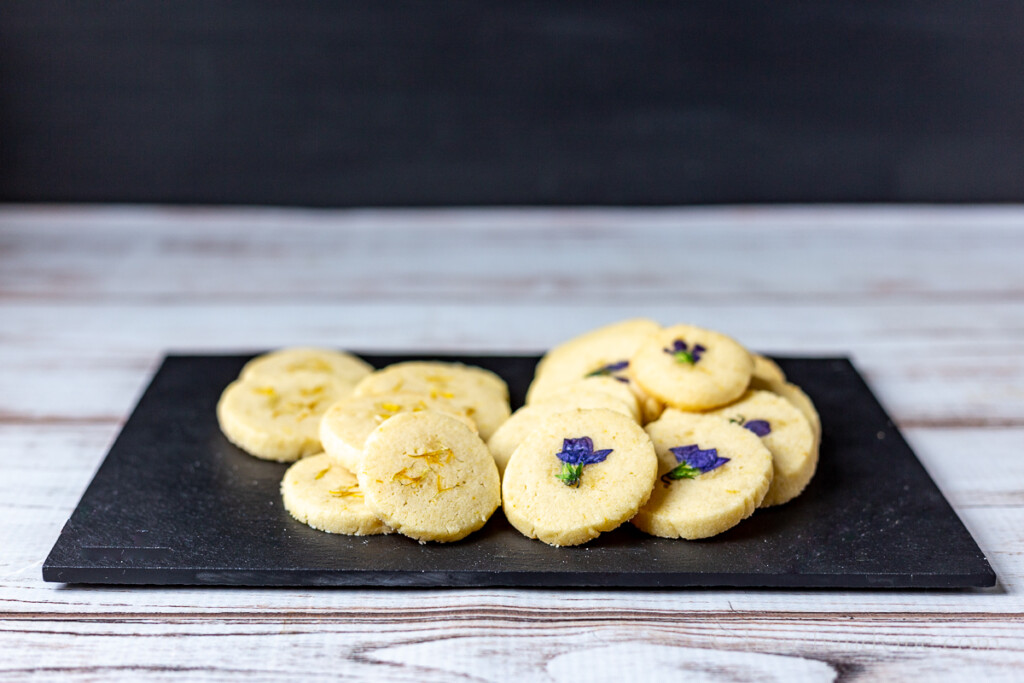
(400, 449)
(723, 433)
(680, 431)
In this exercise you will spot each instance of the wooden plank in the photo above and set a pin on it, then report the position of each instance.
(973, 467)
(521, 644)
(927, 301)
(672, 256)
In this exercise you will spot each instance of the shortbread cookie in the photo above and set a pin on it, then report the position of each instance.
(278, 418)
(650, 407)
(766, 370)
(571, 394)
(786, 433)
(525, 420)
(713, 475)
(578, 474)
(347, 423)
(429, 476)
(475, 392)
(343, 366)
(691, 368)
(797, 397)
(604, 352)
(326, 496)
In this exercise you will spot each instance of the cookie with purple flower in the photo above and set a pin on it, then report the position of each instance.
(691, 368)
(512, 433)
(569, 394)
(600, 353)
(788, 435)
(577, 475)
(712, 475)
(795, 395)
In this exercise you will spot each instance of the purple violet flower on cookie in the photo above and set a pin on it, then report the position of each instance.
(759, 427)
(610, 370)
(574, 455)
(683, 353)
(692, 462)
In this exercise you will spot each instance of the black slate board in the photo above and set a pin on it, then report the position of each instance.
(175, 503)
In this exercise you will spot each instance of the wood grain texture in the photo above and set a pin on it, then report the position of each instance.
(722, 256)
(520, 645)
(929, 302)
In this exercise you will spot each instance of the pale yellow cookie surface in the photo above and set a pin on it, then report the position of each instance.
(790, 440)
(711, 502)
(797, 397)
(650, 407)
(477, 393)
(542, 505)
(576, 394)
(715, 369)
(347, 423)
(326, 496)
(600, 352)
(429, 476)
(278, 417)
(766, 370)
(525, 420)
(343, 366)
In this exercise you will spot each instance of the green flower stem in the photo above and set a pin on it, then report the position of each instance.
(570, 474)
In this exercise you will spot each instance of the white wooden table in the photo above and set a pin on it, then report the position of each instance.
(928, 301)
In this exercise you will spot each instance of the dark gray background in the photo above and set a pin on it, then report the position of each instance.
(511, 102)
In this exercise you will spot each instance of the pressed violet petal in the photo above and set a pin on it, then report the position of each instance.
(703, 460)
(581, 452)
(596, 457)
(683, 354)
(678, 346)
(610, 370)
(759, 427)
(574, 455)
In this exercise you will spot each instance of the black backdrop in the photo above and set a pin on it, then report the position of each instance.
(480, 102)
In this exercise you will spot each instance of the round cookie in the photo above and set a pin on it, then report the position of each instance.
(326, 496)
(803, 403)
(697, 494)
(475, 392)
(429, 476)
(278, 418)
(604, 352)
(798, 398)
(578, 474)
(573, 393)
(650, 407)
(691, 368)
(786, 433)
(344, 366)
(766, 370)
(347, 423)
(525, 420)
